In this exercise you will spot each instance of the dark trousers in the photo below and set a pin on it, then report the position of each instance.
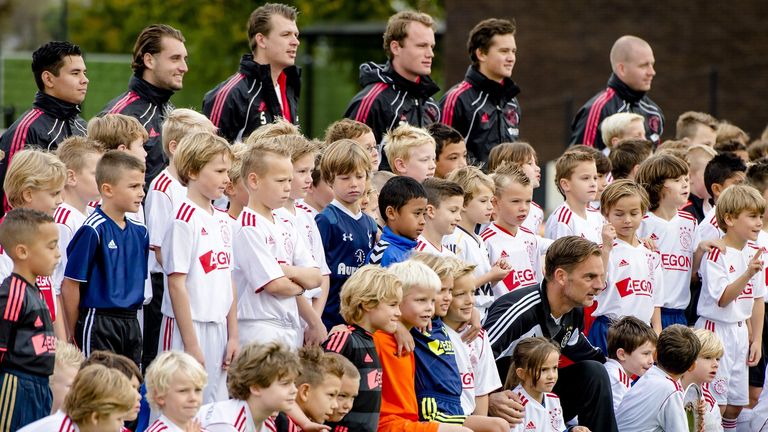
(585, 391)
(152, 320)
(24, 399)
(113, 330)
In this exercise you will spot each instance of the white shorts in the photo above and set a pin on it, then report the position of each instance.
(731, 383)
(263, 331)
(212, 338)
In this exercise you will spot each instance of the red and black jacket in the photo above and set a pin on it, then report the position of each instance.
(484, 111)
(388, 99)
(616, 98)
(247, 100)
(49, 122)
(149, 105)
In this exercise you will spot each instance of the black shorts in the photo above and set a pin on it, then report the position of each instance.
(152, 320)
(113, 330)
(757, 372)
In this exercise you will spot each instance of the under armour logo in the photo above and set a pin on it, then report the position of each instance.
(347, 237)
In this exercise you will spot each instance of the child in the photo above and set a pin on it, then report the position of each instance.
(737, 148)
(106, 285)
(758, 149)
(260, 382)
(199, 311)
(445, 200)
(320, 193)
(665, 180)
(318, 385)
(696, 128)
(698, 156)
(378, 180)
(369, 304)
(627, 156)
(621, 126)
(702, 375)
(576, 179)
(128, 368)
(27, 341)
(634, 281)
(631, 344)
(524, 155)
(68, 361)
(532, 377)
(35, 180)
(505, 238)
(99, 400)
(119, 132)
(275, 267)
(727, 131)
(350, 387)
(730, 295)
(236, 193)
(358, 132)
(655, 402)
(410, 152)
(476, 210)
(175, 384)
(399, 408)
(721, 172)
(450, 149)
(603, 165)
(479, 376)
(348, 234)
(402, 204)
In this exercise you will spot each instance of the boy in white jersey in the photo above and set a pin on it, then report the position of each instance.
(722, 171)
(634, 280)
(631, 345)
(200, 315)
(603, 165)
(261, 382)
(702, 375)
(164, 193)
(99, 399)
(175, 384)
(319, 194)
(655, 402)
(731, 302)
(505, 238)
(444, 202)
(477, 208)
(523, 154)
(665, 178)
(274, 267)
(479, 376)
(576, 179)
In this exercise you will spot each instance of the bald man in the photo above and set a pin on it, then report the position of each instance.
(632, 64)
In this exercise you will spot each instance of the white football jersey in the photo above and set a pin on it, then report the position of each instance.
(762, 242)
(471, 249)
(424, 245)
(57, 421)
(713, 421)
(521, 251)
(303, 205)
(620, 381)
(164, 424)
(654, 403)
(164, 194)
(534, 219)
(564, 222)
(68, 221)
(674, 241)
(477, 368)
(540, 417)
(719, 270)
(198, 243)
(634, 283)
(305, 223)
(263, 246)
(235, 413)
(708, 229)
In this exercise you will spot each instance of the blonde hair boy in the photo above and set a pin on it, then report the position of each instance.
(279, 127)
(743, 198)
(99, 398)
(172, 374)
(119, 132)
(411, 152)
(68, 361)
(621, 126)
(366, 289)
(180, 123)
(358, 132)
(197, 150)
(34, 173)
(696, 128)
(236, 190)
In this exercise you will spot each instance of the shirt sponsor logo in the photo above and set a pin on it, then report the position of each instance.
(44, 344)
(676, 262)
(519, 278)
(215, 261)
(638, 287)
(468, 380)
(374, 379)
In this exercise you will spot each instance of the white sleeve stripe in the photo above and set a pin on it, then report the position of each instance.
(513, 313)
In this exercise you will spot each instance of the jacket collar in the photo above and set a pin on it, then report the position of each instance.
(477, 79)
(56, 107)
(397, 240)
(263, 72)
(623, 90)
(149, 92)
(424, 88)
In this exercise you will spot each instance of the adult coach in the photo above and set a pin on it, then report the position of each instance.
(267, 84)
(632, 63)
(159, 64)
(484, 107)
(401, 90)
(574, 276)
(59, 72)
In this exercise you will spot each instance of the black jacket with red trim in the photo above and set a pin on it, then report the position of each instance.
(45, 125)
(248, 100)
(484, 111)
(388, 99)
(616, 98)
(149, 105)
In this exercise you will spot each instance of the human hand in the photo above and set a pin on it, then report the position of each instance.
(506, 404)
(405, 343)
(315, 334)
(233, 348)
